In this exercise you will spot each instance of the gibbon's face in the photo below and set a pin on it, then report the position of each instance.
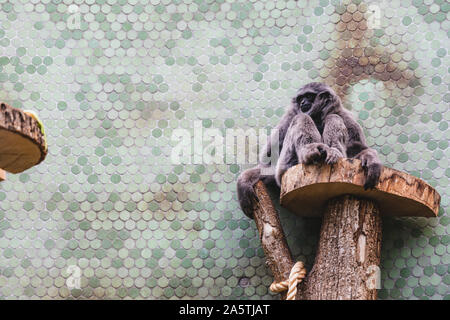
(305, 101)
(314, 97)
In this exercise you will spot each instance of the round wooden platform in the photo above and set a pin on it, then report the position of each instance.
(306, 189)
(22, 143)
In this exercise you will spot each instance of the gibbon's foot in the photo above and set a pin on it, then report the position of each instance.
(372, 173)
(333, 155)
(372, 168)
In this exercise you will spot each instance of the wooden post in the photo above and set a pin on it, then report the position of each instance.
(271, 235)
(348, 254)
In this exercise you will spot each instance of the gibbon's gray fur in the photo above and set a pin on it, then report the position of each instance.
(316, 128)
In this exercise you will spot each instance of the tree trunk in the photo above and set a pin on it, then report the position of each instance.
(273, 241)
(348, 256)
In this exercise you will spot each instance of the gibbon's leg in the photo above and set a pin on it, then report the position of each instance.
(358, 149)
(372, 167)
(335, 136)
(245, 192)
(302, 144)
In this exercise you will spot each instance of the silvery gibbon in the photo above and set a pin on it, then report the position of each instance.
(315, 128)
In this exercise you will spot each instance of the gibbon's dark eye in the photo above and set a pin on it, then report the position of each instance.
(325, 95)
(310, 96)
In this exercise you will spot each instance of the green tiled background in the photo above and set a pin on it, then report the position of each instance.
(111, 91)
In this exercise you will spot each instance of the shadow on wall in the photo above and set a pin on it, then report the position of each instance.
(360, 53)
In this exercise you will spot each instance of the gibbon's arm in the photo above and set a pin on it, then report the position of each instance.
(357, 148)
(279, 130)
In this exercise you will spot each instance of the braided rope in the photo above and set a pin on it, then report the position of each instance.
(298, 273)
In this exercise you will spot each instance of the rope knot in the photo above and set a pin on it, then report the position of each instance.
(298, 273)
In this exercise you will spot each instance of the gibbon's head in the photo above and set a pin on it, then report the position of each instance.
(316, 99)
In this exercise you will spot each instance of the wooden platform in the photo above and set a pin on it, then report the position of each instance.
(307, 188)
(22, 143)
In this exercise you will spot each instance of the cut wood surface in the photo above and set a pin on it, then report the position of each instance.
(22, 144)
(305, 189)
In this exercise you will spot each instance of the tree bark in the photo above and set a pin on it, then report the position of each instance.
(348, 256)
(273, 241)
